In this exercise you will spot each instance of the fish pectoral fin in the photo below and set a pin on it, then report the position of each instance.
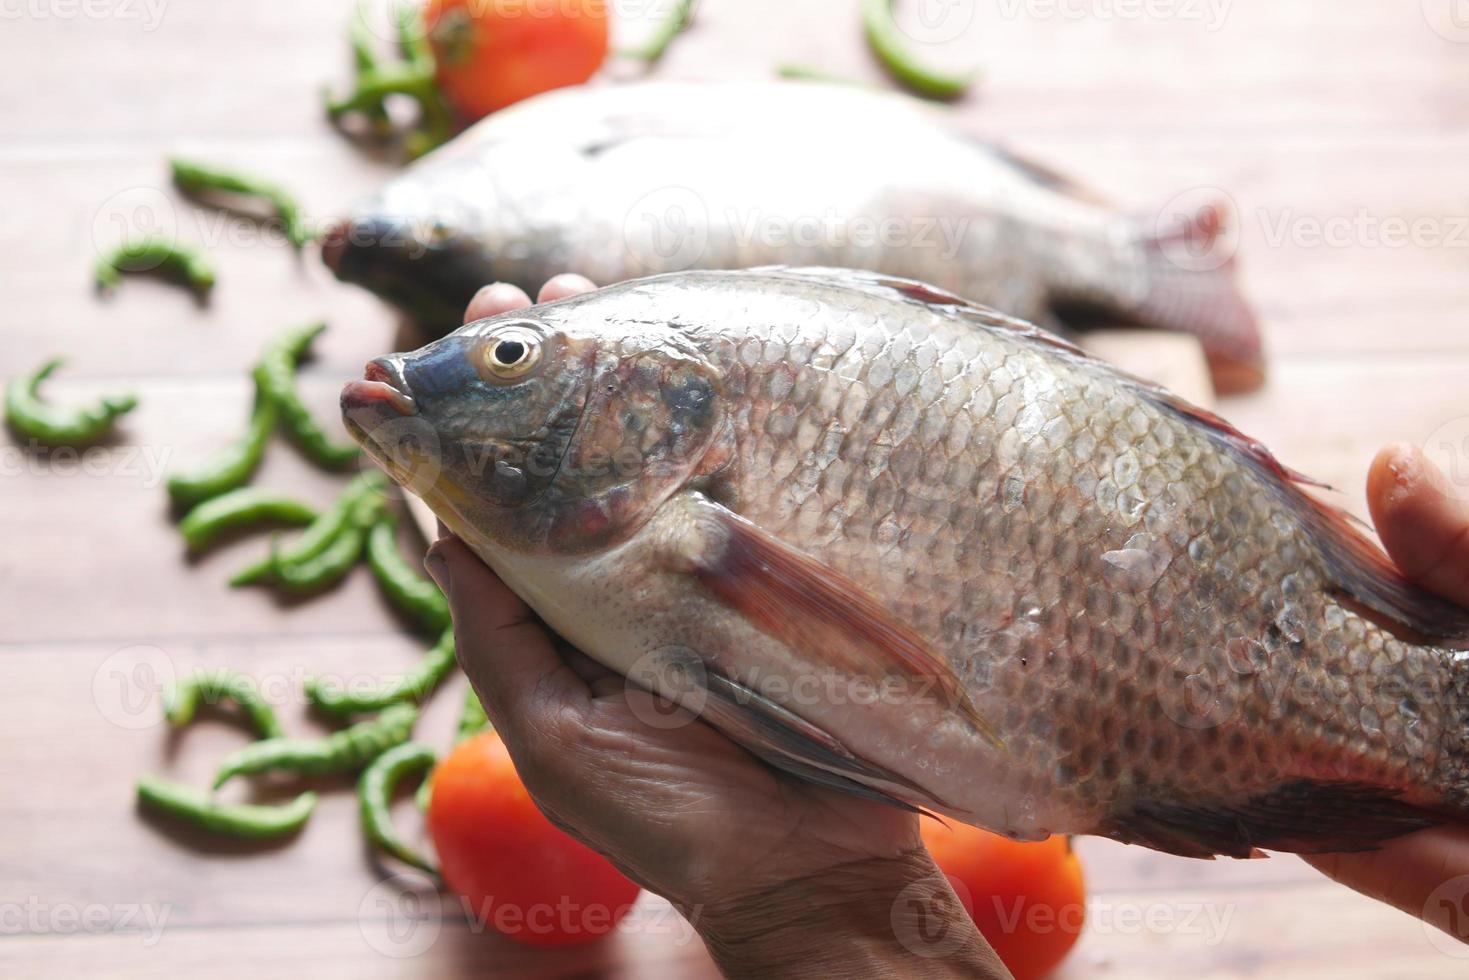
(1305, 816)
(794, 745)
(810, 607)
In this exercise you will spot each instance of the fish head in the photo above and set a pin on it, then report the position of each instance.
(466, 215)
(424, 267)
(553, 430)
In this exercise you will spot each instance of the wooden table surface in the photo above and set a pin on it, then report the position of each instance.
(1334, 126)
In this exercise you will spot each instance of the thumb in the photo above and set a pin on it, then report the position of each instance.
(1423, 520)
(509, 656)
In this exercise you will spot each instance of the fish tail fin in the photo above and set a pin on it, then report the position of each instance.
(1178, 274)
(1191, 286)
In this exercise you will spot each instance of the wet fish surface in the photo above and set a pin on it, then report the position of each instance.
(917, 550)
(622, 181)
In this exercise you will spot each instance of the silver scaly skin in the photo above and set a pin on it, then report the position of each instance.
(621, 181)
(922, 551)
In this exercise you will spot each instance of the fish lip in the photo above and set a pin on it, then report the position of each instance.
(382, 386)
(364, 394)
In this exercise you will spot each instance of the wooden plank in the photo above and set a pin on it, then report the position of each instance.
(1048, 65)
(1306, 112)
(386, 941)
(1308, 933)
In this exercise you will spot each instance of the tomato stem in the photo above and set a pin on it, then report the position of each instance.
(414, 77)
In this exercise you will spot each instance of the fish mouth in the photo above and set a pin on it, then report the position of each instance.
(375, 407)
(334, 245)
(382, 387)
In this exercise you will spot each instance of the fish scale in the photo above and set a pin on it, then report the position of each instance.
(1143, 626)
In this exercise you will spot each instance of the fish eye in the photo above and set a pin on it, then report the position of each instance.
(511, 352)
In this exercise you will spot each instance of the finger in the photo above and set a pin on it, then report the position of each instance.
(590, 671)
(508, 655)
(494, 299)
(565, 285)
(1423, 522)
(1406, 872)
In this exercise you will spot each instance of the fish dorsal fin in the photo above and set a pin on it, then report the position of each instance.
(1044, 175)
(921, 293)
(1361, 571)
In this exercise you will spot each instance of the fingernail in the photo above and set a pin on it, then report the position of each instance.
(438, 570)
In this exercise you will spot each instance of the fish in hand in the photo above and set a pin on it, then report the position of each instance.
(622, 181)
(899, 544)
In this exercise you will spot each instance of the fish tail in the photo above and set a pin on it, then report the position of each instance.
(1177, 273)
(1191, 286)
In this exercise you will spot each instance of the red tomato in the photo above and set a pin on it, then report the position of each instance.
(492, 53)
(1027, 898)
(513, 868)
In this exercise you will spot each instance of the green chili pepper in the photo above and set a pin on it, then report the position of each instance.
(155, 254)
(890, 46)
(415, 685)
(235, 819)
(678, 21)
(276, 377)
(472, 721)
(375, 793)
(808, 74)
(245, 507)
(343, 751)
(322, 571)
(412, 592)
(198, 180)
(329, 567)
(53, 425)
(321, 534)
(232, 466)
(472, 718)
(181, 700)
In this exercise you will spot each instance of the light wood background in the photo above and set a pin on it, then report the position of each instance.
(1308, 112)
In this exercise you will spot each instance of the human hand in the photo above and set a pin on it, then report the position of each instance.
(779, 876)
(1425, 527)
